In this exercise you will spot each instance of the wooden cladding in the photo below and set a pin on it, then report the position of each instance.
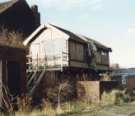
(77, 51)
(102, 58)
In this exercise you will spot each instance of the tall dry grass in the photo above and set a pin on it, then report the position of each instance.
(115, 97)
(70, 107)
(11, 39)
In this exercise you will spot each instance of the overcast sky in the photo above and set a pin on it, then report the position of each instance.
(111, 22)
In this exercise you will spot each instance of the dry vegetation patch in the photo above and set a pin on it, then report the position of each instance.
(11, 39)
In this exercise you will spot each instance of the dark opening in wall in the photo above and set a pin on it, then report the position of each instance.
(13, 71)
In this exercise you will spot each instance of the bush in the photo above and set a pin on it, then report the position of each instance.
(114, 97)
(63, 90)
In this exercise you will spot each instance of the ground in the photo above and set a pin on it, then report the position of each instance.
(80, 109)
(112, 110)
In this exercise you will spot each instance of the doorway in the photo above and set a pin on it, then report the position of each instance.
(13, 72)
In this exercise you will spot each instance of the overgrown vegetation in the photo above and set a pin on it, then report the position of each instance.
(11, 39)
(59, 92)
(115, 97)
(56, 102)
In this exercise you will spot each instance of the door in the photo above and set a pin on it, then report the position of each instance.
(13, 71)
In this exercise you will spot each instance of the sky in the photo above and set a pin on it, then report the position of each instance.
(112, 22)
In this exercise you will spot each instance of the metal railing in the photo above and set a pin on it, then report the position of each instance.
(50, 61)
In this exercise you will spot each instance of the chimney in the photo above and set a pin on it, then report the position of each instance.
(34, 8)
(36, 14)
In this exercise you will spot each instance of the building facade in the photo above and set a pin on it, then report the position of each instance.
(16, 15)
(54, 47)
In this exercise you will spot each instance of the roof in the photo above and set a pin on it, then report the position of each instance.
(71, 34)
(35, 34)
(6, 5)
(84, 38)
(41, 28)
(98, 44)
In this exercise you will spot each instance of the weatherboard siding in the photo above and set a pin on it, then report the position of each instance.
(50, 48)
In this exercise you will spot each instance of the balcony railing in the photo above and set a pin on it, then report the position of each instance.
(48, 62)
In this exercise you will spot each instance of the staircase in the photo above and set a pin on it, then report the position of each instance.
(35, 74)
(33, 80)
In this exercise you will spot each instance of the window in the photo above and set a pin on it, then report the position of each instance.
(76, 51)
(104, 53)
(80, 52)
